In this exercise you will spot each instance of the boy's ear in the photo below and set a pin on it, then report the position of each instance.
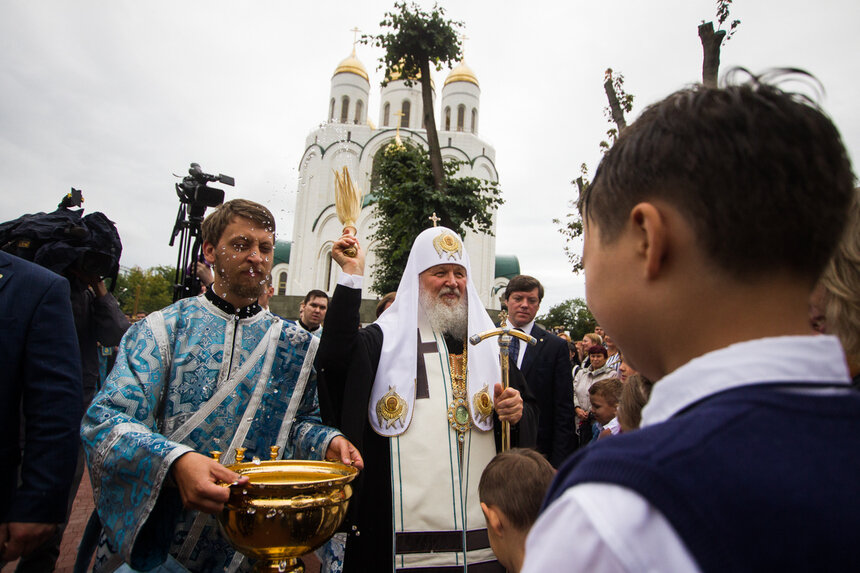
(209, 252)
(494, 519)
(651, 235)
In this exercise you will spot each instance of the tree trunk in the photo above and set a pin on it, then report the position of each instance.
(614, 106)
(711, 42)
(430, 125)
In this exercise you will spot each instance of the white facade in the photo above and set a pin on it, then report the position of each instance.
(354, 143)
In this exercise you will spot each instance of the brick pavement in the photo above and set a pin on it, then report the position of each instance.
(81, 511)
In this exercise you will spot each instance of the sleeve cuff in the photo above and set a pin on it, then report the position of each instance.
(351, 281)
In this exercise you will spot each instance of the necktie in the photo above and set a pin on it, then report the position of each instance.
(514, 348)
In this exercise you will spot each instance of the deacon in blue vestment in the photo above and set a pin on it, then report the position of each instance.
(215, 372)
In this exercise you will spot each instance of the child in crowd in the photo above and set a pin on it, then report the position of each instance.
(605, 395)
(511, 490)
(634, 395)
(596, 371)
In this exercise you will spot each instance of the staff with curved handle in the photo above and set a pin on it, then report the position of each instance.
(505, 335)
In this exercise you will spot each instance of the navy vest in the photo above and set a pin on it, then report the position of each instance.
(758, 478)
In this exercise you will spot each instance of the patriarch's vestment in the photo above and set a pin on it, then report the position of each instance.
(389, 387)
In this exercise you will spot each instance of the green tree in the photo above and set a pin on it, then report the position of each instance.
(406, 196)
(572, 315)
(417, 40)
(152, 288)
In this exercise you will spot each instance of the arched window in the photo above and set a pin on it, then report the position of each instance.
(328, 273)
(447, 119)
(461, 117)
(344, 109)
(474, 120)
(331, 111)
(386, 111)
(359, 108)
(405, 109)
(282, 283)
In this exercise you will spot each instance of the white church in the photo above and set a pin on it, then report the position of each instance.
(349, 138)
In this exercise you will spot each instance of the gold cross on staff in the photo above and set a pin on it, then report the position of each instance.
(355, 32)
(434, 218)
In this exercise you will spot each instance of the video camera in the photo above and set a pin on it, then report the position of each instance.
(194, 191)
(66, 239)
(195, 196)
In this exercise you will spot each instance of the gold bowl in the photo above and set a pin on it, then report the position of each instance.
(289, 508)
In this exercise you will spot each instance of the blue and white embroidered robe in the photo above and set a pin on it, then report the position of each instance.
(193, 378)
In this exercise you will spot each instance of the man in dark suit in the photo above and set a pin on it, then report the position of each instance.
(41, 381)
(546, 367)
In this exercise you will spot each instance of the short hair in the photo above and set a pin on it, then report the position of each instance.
(608, 389)
(315, 293)
(760, 174)
(598, 349)
(380, 306)
(634, 395)
(841, 282)
(523, 283)
(516, 482)
(218, 220)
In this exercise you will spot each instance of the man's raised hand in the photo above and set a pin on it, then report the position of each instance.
(350, 265)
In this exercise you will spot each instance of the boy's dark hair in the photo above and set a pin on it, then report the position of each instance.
(523, 283)
(214, 225)
(516, 482)
(609, 390)
(760, 174)
(315, 293)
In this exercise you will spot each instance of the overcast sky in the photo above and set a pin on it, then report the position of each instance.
(114, 96)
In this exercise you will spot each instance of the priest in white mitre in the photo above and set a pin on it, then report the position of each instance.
(423, 406)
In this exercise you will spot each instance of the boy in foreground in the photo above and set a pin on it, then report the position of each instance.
(706, 227)
(511, 490)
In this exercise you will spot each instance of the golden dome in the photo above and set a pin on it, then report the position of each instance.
(462, 73)
(352, 65)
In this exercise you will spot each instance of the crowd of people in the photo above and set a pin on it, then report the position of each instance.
(722, 256)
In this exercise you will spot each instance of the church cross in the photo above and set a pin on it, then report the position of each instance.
(355, 32)
(434, 218)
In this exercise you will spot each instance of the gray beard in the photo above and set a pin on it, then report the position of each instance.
(452, 320)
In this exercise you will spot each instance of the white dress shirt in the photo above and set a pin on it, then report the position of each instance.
(528, 330)
(600, 527)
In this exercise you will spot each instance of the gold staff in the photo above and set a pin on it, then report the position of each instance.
(347, 202)
(505, 335)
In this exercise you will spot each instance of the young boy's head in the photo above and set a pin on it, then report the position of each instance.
(604, 396)
(511, 491)
(712, 197)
